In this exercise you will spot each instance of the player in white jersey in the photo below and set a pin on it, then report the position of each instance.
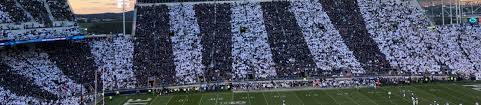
(389, 94)
(417, 101)
(413, 101)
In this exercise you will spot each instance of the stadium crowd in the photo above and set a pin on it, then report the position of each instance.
(469, 42)
(29, 34)
(37, 9)
(4, 17)
(114, 57)
(44, 73)
(398, 35)
(345, 18)
(402, 33)
(216, 40)
(325, 43)
(409, 47)
(459, 50)
(15, 13)
(289, 48)
(61, 10)
(153, 61)
(28, 73)
(43, 12)
(186, 44)
(251, 52)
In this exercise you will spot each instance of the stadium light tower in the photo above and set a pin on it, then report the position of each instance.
(122, 4)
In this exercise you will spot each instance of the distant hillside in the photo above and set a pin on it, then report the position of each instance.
(96, 25)
(117, 16)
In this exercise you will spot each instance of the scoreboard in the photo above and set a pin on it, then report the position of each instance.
(474, 20)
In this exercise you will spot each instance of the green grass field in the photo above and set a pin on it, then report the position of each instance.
(452, 93)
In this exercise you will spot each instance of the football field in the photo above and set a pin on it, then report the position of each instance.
(442, 93)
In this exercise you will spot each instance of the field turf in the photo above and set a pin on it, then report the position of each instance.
(442, 93)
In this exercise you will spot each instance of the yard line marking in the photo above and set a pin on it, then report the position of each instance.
(185, 98)
(349, 97)
(296, 97)
(388, 99)
(265, 99)
(279, 95)
(154, 99)
(399, 89)
(126, 98)
(169, 100)
(311, 91)
(366, 97)
(249, 99)
(331, 97)
(455, 91)
(423, 99)
(432, 95)
(202, 96)
(457, 98)
(216, 98)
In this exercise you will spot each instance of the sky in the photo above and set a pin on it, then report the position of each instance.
(104, 6)
(97, 6)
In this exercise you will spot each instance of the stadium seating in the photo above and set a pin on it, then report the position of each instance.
(36, 19)
(251, 54)
(325, 43)
(395, 34)
(60, 10)
(37, 9)
(289, 49)
(4, 17)
(345, 17)
(29, 75)
(74, 59)
(215, 39)
(10, 9)
(403, 36)
(186, 44)
(283, 39)
(153, 60)
(114, 58)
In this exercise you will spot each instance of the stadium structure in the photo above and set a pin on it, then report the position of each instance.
(240, 52)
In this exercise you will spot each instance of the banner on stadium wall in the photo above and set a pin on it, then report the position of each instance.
(12, 43)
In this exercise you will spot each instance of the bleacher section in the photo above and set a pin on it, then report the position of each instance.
(11, 10)
(153, 60)
(303, 39)
(37, 9)
(289, 49)
(62, 53)
(61, 10)
(251, 53)
(214, 24)
(36, 19)
(345, 17)
(30, 76)
(18, 84)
